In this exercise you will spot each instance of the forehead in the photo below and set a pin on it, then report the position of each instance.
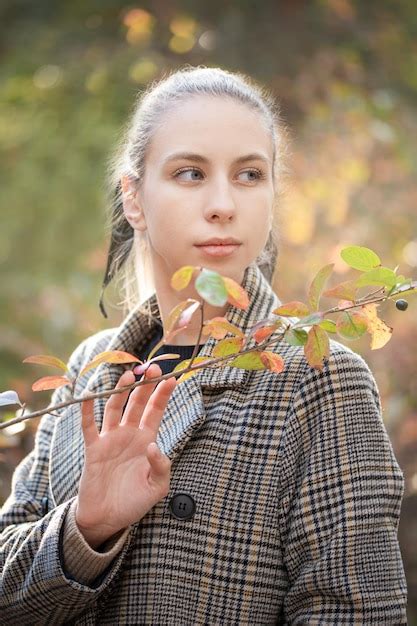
(213, 126)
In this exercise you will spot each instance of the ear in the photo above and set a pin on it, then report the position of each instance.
(131, 206)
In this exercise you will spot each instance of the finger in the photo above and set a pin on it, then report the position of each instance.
(160, 466)
(139, 397)
(157, 404)
(114, 405)
(88, 423)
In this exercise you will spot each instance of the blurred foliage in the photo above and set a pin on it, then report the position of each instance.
(345, 73)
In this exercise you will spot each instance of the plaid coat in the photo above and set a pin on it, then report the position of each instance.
(297, 494)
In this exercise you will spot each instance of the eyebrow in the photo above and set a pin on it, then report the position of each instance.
(198, 158)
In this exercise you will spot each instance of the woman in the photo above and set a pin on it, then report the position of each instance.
(268, 499)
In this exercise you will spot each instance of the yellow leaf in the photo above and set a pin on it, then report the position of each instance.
(228, 346)
(45, 359)
(379, 330)
(110, 356)
(184, 364)
(181, 278)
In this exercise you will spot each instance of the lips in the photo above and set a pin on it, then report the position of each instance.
(217, 241)
(218, 247)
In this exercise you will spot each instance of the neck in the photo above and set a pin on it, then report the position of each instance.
(168, 298)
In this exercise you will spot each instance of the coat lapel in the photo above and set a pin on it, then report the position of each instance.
(185, 412)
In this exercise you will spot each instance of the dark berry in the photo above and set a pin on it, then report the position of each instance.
(401, 305)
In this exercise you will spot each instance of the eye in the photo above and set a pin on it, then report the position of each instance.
(189, 174)
(252, 175)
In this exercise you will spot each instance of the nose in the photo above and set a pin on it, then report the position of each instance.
(220, 205)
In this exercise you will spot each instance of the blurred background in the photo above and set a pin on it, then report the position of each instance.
(345, 74)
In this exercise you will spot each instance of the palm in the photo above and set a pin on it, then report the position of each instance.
(120, 482)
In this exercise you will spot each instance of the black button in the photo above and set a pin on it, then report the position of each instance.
(182, 506)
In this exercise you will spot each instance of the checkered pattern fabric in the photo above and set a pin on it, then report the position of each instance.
(297, 491)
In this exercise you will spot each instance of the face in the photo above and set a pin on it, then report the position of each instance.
(208, 176)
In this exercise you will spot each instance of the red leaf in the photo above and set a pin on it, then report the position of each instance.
(236, 295)
(272, 361)
(50, 382)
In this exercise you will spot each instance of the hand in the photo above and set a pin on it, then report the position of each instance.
(124, 472)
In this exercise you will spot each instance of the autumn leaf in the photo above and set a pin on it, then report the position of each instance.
(293, 308)
(184, 364)
(316, 287)
(249, 361)
(360, 258)
(236, 295)
(317, 347)
(45, 359)
(50, 382)
(272, 361)
(141, 369)
(380, 331)
(180, 315)
(218, 327)
(263, 333)
(228, 346)
(346, 290)
(352, 325)
(110, 356)
(181, 278)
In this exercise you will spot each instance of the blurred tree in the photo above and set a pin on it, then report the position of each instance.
(345, 73)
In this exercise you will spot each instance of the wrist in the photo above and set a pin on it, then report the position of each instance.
(95, 535)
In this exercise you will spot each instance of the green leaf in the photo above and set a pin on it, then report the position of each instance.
(314, 318)
(210, 286)
(296, 337)
(360, 258)
(328, 325)
(317, 285)
(249, 361)
(379, 276)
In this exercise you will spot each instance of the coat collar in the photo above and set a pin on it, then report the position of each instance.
(186, 410)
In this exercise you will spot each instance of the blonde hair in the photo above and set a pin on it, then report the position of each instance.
(131, 263)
